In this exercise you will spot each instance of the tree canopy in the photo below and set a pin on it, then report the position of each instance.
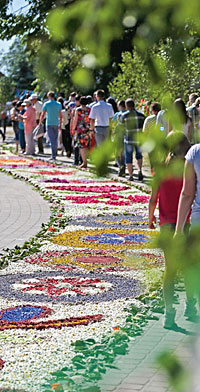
(135, 80)
(106, 28)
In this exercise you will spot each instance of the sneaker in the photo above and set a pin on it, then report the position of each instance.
(121, 173)
(140, 176)
(190, 308)
(131, 178)
(169, 317)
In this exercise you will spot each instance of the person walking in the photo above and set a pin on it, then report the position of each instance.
(100, 116)
(150, 121)
(119, 134)
(21, 108)
(193, 113)
(65, 129)
(190, 201)
(149, 127)
(15, 119)
(53, 111)
(167, 194)
(29, 118)
(77, 157)
(133, 124)
(38, 108)
(185, 122)
(81, 127)
(3, 123)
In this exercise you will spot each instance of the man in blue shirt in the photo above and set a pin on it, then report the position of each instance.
(52, 109)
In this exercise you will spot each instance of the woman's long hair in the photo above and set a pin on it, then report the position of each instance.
(178, 146)
(180, 108)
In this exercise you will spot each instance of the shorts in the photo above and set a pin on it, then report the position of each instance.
(128, 149)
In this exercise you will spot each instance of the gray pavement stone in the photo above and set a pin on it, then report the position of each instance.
(22, 211)
(146, 375)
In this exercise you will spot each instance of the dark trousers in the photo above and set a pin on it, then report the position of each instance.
(77, 157)
(67, 141)
(3, 123)
(40, 143)
(121, 163)
(22, 139)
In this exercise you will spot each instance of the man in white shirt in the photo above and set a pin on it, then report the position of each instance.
(38, 108)
(100, 116)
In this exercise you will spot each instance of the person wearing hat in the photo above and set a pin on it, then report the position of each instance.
(29, 118)
(38, 108)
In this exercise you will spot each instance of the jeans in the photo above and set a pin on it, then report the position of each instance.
(128, 149)
(101, 134)
(52, 131)
(22, 139)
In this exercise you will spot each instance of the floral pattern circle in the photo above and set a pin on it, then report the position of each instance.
(115, 287)
(105, 239)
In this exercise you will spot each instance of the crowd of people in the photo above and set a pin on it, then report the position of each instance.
(81, 123)
(78, 124)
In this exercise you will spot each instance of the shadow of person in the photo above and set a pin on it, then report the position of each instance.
(184, 331)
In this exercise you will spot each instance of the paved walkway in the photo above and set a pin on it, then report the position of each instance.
(22, 211)
(138, 370)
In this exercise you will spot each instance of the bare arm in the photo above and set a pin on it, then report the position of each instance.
(92, 124)
(42, 116)
(75, 121)
(187, 196)
(152, 206)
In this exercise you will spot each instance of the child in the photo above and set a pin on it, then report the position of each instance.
(167, 194)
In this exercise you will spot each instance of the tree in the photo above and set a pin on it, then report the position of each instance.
(106, 28)
(6, 93)
(18, 66)
(135, 79)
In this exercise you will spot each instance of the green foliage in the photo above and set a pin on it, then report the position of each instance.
(60, 65)
(178, 376)
(101, 160)
(97, 25)
(136, 79)
(93, 358)
(18, 67)
(6, 91)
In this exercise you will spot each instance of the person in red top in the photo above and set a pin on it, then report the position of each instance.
(167, 195)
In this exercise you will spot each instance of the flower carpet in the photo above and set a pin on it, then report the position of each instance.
(72, 297)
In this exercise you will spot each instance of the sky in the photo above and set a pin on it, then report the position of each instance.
(15, 6)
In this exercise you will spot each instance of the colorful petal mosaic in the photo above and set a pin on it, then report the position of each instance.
(73, 290)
